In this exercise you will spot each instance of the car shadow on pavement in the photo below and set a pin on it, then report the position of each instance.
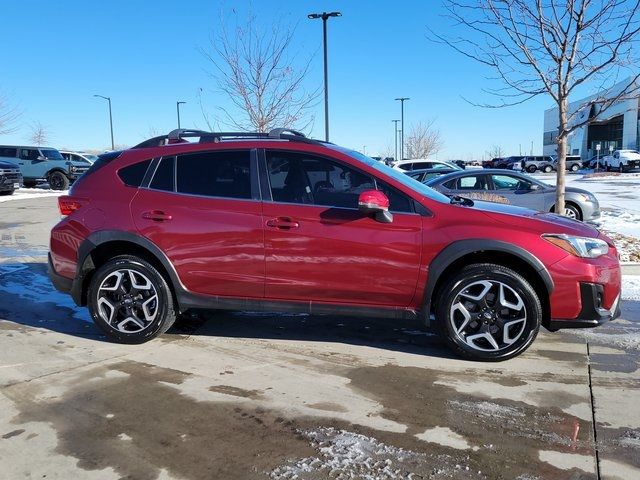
(28, 299)
(382, 333)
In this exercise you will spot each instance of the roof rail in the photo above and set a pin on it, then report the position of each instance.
(176, 136)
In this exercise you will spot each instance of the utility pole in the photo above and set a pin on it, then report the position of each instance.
(402, 100)
(395, 137)
(325, 16)
(108, 99)
(178, 111)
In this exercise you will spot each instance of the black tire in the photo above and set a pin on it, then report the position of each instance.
(621, 168)
(7, 192)
(469, 276)
(165, 315)
(58, 181)
(547, 169)
(575, 209)
(574, 168)
(531, 169)
(29, 184)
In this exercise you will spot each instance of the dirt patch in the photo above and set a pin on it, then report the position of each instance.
(139, 425)
(236, 392)
(507, 435)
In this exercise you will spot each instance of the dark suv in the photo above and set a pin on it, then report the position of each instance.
(280, 222)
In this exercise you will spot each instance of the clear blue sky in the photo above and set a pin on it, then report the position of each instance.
(146, 55)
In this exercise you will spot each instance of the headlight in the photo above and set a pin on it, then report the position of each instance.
(584, 247)
(72, 169)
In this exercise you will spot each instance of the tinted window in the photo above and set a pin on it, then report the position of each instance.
(134, 174)
(299, 178)
(507, 182)
(451, 184)
(473, 182)
(163, 178)
(8, 152)
(29, 154)
(215, 174)
(51, 154)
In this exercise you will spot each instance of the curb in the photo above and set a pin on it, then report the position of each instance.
(630, 268)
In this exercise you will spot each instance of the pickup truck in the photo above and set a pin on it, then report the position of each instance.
(623, 161)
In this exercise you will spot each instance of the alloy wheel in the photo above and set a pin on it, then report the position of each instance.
(127, 301)
(570, 212)
(488, 315)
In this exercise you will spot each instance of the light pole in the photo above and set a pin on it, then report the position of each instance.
(325, 16)
(108, 99)
(178, 111)
(395, 136)
(402, 100)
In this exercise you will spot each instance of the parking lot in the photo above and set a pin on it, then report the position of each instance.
(247, 395)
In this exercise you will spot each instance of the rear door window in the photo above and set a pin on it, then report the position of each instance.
(164, 176)
(224, 174)
(8, 152)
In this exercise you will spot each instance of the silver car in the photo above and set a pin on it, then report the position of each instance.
(516, 189)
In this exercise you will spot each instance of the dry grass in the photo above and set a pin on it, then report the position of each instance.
(629, 247)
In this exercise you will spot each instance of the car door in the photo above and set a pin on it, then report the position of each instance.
(320, 247)
(203, 211)
(518, 191)
(30, 162)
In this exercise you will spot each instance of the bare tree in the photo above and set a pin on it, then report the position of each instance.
(39, 134)
(254, 68)
(387, 152)
(495, 151)
(9, 116)
(552, 48)
(423, 140)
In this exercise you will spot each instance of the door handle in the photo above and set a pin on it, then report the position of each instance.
(156, 216)
(283, 223)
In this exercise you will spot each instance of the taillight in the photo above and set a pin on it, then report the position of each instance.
(68, 205)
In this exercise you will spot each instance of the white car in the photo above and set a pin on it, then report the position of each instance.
(422, 163)
(622, 160)
(79, 156)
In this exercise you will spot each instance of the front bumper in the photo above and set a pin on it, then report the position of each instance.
(592, 313)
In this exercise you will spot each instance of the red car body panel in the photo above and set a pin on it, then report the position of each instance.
(304, 253)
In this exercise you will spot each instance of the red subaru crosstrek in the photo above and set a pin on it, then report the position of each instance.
(280, 222)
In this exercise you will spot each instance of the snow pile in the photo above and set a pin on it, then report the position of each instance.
(620, 221)
(27, 193)
(348, 455)
(631, 287)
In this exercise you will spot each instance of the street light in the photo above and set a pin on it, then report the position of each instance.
(108, 99)
(395, 136)
(402, 100)
(178, 110)
(325, 16)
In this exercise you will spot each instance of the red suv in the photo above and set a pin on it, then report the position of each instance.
(280, 222)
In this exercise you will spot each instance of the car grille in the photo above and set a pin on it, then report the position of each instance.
(11, 175)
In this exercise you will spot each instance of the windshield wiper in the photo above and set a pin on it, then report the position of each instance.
(458, 200)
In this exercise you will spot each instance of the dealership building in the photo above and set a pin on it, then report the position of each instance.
(616, 128)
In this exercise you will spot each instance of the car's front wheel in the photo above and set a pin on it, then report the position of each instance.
(488, 312)
(574, 168)
(130, 300)
(547, 169)
(531, 169)
(58, 181)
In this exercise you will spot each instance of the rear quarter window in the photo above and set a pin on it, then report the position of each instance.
(8, 152)
(133, 175)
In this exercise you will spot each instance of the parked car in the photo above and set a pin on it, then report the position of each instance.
(519, 189)
(623, 160)
(44, 164)
(573, 163)
(420, 164)
(280, 222)
(429, 173)
(543, 163)
(511, 163)
(79, 157)
(10, 177)
(492, 163)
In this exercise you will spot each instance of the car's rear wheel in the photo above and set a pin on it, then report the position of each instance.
(488, 312)
(130, 300)
(58, 181)
(574, 168)
(531, 169)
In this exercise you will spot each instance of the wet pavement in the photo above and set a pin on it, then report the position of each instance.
(251, 395)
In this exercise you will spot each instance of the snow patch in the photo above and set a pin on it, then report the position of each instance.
(447, 437)
(631, 287)
(28, 193)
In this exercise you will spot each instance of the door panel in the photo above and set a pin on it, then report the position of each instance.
(318, 248)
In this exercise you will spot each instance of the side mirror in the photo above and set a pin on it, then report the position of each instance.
(41, 157)
(376, 203)
(534, 187)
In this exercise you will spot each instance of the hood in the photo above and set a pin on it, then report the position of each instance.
(5, 164)
(80, 165)
(524, 218)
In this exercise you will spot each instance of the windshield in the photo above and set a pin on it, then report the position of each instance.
(396, 175)
(91, 158)
(51, 154)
